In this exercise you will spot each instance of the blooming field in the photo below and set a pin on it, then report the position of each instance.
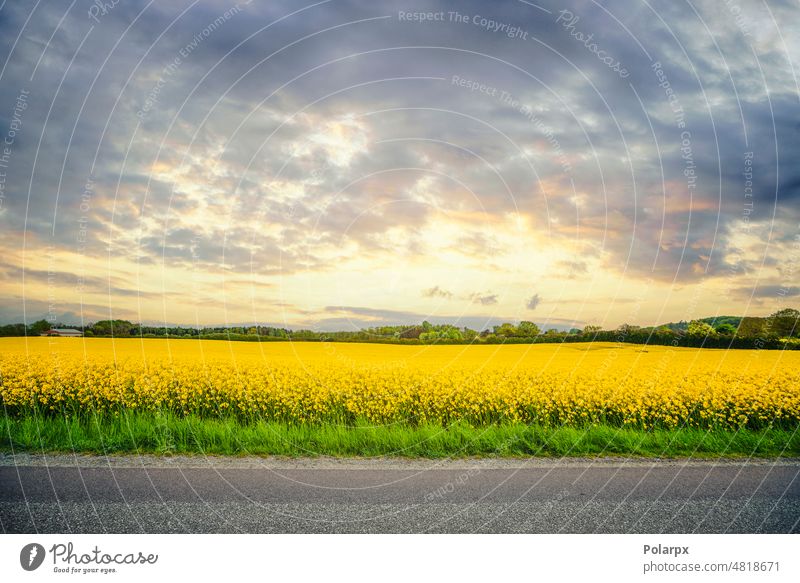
(546, 384)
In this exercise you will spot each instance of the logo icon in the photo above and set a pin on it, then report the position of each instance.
(31, 556)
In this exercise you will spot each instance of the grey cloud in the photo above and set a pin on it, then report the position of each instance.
(571, 269)
(437, 292)
(533, 302)
(487, 299)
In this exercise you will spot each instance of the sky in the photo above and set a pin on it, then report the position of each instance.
(341, 164)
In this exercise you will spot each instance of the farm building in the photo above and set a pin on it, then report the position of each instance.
(62, 332)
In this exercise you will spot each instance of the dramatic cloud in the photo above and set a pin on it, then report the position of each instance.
(219, 162)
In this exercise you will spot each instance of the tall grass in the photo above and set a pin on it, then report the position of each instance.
(166, 433)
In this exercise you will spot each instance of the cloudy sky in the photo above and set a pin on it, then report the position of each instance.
(338, 164)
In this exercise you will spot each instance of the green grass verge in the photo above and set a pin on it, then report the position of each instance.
(170, 434)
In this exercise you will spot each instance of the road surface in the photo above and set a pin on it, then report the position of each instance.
(136, 494)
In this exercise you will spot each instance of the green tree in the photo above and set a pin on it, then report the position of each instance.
(726, 329)
(628, 328)
(506, 329)
(428, 337)
(783, 323)
(38, 327)
(787, 313)
(528, 329)
(700, 329)
(452, 333)
(13, 330)
(114, 328)
(751, 327)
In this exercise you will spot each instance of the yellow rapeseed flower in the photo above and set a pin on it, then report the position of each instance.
(549, 384)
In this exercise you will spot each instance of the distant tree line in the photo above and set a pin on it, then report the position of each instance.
(778, 330)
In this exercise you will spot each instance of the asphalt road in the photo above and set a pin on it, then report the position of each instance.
(145, 494)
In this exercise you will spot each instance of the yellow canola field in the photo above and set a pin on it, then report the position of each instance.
(548, 384)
